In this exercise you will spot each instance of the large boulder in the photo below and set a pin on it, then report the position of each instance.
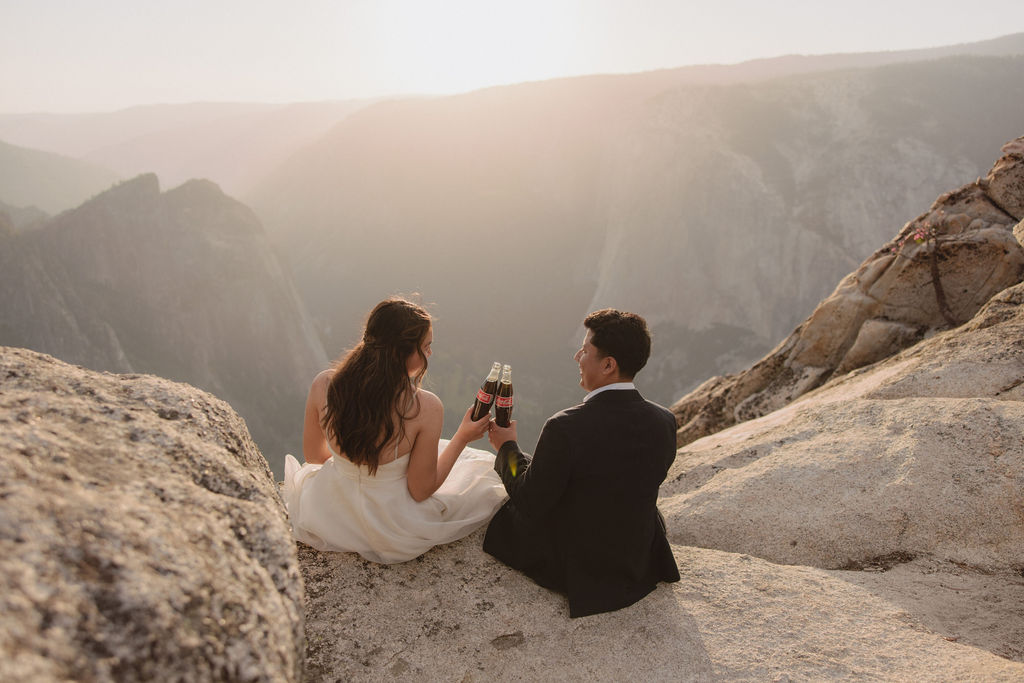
(456, 614)
(1005, 182)
(921, 454)
(141, 534)
(935, 274)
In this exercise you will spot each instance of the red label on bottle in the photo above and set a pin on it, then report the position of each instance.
(504, 402)
(484, 397)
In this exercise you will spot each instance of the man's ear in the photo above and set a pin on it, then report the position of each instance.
(610, 366)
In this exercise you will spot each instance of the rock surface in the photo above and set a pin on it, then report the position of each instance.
(887, 304)
(141, 534)
(457, 614)
(920, 454)
(1005, 182)
(841, 484)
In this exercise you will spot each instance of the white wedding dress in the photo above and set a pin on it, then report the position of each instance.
(339, 506)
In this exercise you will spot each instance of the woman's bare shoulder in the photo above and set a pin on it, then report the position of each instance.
(429, 401)
(323, 379)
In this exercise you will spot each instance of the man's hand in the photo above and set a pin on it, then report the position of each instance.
(499, 435)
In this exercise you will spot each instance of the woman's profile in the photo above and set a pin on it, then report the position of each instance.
(378, 479)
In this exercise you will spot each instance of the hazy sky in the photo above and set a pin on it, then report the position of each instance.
(85, 55)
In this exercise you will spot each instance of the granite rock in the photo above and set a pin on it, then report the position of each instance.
(920, 454)
(456, 614)
(141, 534)
(890, 302)
(1005, 182)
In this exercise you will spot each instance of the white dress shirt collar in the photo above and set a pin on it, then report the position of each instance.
(609, 387)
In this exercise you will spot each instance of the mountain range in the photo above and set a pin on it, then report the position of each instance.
(233, 144)
(47, 181)
(721, 202)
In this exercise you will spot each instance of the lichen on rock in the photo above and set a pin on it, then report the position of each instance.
(142, 537)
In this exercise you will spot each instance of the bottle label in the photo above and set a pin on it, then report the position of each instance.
(484, 397)
(504, 402)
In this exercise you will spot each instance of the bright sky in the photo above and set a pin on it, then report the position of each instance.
(94, 55)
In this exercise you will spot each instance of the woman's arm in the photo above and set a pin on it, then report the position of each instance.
(428, 469)
(314, 443)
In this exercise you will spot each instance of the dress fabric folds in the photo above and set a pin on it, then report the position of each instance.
(338, 506)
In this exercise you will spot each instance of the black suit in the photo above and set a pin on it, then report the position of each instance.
(582, 515)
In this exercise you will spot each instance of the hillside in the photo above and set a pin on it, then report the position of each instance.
(723, 213)
(47, 181)
(182, 284)
(18, 218)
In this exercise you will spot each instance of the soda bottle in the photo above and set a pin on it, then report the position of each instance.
(503, 402)
(485, 397)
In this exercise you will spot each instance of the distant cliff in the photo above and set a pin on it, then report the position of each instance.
(723, 210)
(182, 284)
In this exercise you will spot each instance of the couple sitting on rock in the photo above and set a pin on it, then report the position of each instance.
(580, 516)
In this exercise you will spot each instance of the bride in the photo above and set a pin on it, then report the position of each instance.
(378, 479)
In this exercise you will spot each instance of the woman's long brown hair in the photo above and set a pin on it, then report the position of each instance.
(368, 399)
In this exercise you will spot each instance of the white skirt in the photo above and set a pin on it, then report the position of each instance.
(338, 506)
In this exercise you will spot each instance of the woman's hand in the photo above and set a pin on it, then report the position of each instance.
(469, 430)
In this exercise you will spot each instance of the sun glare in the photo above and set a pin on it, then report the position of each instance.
(114, 54)
(455, 46)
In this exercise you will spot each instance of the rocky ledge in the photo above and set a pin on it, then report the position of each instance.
(456, 614)
(143, 539)
(141, 535)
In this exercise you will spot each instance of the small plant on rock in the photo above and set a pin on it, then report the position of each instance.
(927, 233)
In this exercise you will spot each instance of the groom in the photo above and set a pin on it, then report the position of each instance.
(581, 518)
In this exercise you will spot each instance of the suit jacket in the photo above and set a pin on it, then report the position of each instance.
(582, 514)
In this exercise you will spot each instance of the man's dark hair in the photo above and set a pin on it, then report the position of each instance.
(621, 335)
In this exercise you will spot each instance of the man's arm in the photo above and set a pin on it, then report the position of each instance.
(537, 483)
(510, 463)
